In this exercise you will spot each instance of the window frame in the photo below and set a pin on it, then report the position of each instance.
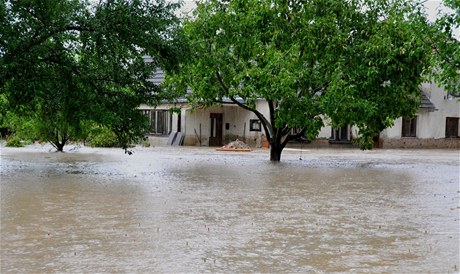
(452, 127)
(409, 127)
(160, 121)
(337, 134)
(255, 125)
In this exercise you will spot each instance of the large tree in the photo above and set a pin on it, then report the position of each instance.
(70, 63)
(354, 61)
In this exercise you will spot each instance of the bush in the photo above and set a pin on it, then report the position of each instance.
(25, 128)
(27, 142)
(14, 142)
(102, 137)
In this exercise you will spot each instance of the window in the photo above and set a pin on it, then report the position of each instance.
(409, 127)
(453, 94)
(452, 127)
(160, 121)
(255, 125)
(340, 134)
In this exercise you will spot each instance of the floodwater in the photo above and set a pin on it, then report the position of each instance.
(170, 210)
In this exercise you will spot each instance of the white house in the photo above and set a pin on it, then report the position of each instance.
(204, 127)
(436, 124)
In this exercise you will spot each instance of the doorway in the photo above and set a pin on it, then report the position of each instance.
(215, 136)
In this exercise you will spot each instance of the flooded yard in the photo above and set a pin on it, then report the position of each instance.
(183, 209)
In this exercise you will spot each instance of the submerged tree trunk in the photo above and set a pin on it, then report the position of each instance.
(59, 141)
(278, 137)
(59, 147)
(275, 151)
(277, 143)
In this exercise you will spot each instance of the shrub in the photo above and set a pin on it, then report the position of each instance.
(102, 137)
(14, 142)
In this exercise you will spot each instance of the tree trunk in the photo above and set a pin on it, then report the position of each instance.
(60, 147)
(57, 144)
(275, 151)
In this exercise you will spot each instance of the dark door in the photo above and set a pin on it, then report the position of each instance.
(377, 143)
(215, 136)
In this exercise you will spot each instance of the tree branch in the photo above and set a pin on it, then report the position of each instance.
(265, 123)
(271, 108)
(285, 130)
(45, 36)
(221, 81)
(302, 49)
(293, 137)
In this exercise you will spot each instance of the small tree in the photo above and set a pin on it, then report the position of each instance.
(69, 63)
(357, 62)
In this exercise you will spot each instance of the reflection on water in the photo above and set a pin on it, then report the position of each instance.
(196, 210)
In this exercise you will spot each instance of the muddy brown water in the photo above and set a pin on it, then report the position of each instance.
(169, 210)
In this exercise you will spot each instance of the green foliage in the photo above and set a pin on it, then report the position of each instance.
(3, 109)
(357, 62)
(22, 127)
(100, 136)
(65, 62)
(446, 47)
(14, 142)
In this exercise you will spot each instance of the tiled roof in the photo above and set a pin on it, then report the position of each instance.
(158, 77)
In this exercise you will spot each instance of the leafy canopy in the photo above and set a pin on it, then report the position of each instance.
(68, 63)
(446, 57)
(354, 61)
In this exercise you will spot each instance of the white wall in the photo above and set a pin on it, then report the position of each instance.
(430, 124)
(197, 125)
(447, 107)
(236, 117)
(325, 132)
